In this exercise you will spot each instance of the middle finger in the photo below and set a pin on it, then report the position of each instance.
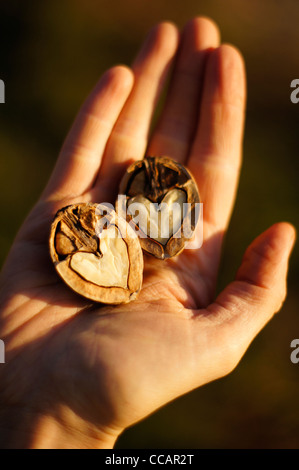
(178, 121)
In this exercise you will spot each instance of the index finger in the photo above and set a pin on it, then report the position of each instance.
(215, 158)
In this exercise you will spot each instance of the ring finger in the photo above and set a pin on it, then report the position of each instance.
(129, 137)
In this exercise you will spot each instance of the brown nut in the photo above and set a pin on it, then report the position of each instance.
(96, 253)
(166, 226)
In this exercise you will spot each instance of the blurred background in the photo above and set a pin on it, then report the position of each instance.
(51, 55)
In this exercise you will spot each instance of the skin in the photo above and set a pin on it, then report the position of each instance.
(77, 373)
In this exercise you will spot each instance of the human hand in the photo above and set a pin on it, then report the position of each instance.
(78, 373)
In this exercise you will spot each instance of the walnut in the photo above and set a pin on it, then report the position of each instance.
(96, 253)
(161, 202)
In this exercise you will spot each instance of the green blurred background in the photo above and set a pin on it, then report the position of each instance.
(51, 55)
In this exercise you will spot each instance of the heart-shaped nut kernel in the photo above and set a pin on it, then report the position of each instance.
(161, 202)
(96, 253)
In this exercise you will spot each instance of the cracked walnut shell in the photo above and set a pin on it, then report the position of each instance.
(165, 198)
(96, 253)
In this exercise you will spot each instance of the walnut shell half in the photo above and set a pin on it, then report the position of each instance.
(96, 253)
(161, 203)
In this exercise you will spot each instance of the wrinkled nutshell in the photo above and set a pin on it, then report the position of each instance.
(165, 226)
(96, 253)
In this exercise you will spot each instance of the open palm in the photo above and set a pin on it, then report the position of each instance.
(78, 373)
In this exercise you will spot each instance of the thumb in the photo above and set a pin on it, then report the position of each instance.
(248, 303)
